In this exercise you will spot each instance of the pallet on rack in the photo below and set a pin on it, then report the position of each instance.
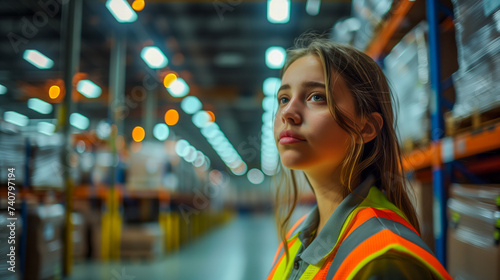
(409, 144)
(475, 121)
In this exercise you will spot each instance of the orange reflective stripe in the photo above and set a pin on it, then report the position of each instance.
(321, 275)
(377, 243)
(288, 236)
(295, 226)
(270, 277)
(370, 212)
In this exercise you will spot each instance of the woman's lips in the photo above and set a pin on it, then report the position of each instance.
(289, 140)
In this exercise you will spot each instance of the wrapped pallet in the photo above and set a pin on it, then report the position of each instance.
(473, 232)
(477, 25)
(369, 14)
(407, 69)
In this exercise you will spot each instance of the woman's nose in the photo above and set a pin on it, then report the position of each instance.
(291, 113)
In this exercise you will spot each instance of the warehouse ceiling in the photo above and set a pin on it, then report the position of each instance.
(217, 46)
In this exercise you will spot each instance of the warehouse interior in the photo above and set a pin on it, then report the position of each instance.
(136, 136)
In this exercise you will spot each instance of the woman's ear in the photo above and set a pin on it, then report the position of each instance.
(369, 131)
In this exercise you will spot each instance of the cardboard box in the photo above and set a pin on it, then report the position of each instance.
(423, 203)
(473, 235)
(44, 256)
(141, 241)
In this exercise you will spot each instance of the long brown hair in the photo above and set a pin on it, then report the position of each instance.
(380, 157)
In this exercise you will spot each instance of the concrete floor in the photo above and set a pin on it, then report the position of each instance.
(243, 249)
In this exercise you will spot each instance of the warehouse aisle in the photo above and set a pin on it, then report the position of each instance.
(243, 249)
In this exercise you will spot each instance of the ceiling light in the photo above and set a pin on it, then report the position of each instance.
(154, 57)
(181, 147)
(312, 7)
(46, 128)
(40, 106)
(255, 176)
(278, 11)
(201, 119)
(270, 86)
(121, 10)
(15, 118)
(178, 88)
(39, 60)
(191, 104)
(79, 121)
(88, 89)
(275, 57)
(161, 131)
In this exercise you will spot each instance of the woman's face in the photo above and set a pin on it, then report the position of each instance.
(307, 136)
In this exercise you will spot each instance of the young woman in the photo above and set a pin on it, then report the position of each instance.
(335, 122)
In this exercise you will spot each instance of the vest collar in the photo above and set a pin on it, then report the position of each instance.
(326, 240)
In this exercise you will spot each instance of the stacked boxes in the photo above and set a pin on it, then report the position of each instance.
(474, 232)
(141, 241)
(477, 25)
(44, 258)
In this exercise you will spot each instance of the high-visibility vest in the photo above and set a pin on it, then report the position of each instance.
(372, 229)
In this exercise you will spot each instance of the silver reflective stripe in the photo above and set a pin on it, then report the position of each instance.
(368, 229)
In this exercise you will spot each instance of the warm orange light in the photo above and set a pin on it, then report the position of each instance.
(54, 92)
(212, 116)
(138, 5)
(169, 78)
(138, 134)
(171, 117)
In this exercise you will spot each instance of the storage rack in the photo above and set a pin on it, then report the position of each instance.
(443, 153)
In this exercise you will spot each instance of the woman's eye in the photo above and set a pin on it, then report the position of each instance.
(282, 100)
(317, 98)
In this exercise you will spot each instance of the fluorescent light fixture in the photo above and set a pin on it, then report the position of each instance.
(239, 169)
(154, 57)
(39, 60)
(46, 128)
(15, 118)
(191, 154)
(3, 90)
(181, 147)
(79, 121)
(200, 159)
(275, 57)
(121, 10)
(255, 176)
(178, 88)
(268, 104)
(161, 131)
(88, 89)
(40, 106)
(201, 119)
(270, 86)
(191, 104)
(210, 130)
(278, 11)
(312, 7)
(267, 117)
(103, 129)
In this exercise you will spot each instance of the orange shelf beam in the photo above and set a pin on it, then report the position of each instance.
(464, 145)
(388, 28)
(472, 143)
